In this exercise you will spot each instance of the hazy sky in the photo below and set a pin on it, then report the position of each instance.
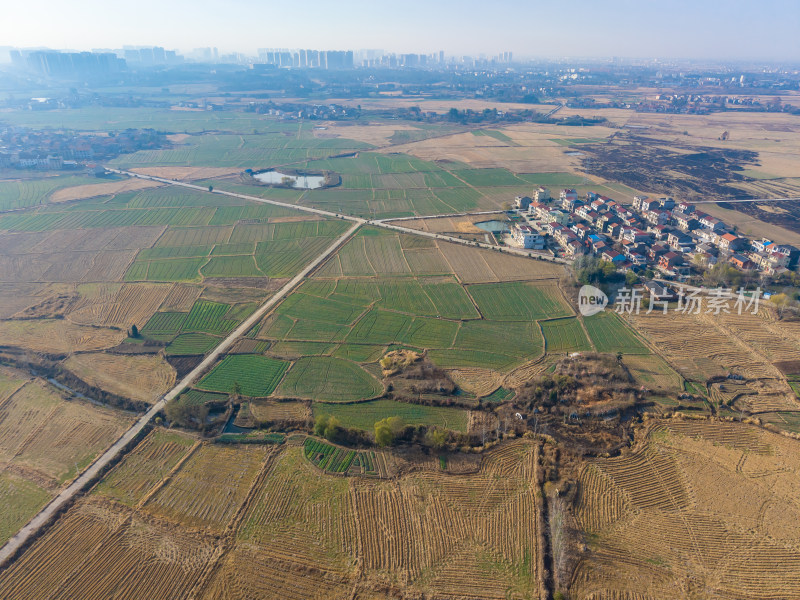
(635, 28)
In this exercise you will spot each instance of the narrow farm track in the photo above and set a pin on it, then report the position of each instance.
(85, 478)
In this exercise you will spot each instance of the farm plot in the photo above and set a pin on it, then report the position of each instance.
(176, 269)
(20, 499)
(328, 379)
(519, 301)
(684, 502)
(54, 438)
(700, 348)
(145, 467)
(58, 336)
(653, 372)
(131, 304)
(269, 411)
(231, 266)
(364, 415)
(257, 375)
(565, 335)
(610, 334)
(91, 552)
(209, 487)
(191, 343)
(209, 317)
(137, 377)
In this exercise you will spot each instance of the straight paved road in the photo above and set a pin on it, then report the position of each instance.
(111, 454)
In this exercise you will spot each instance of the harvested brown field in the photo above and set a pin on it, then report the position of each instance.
(181, 297)
(147, 466)
(186, 173)
(58, 336)
(51, 438)
(208, 489)
(123, 305)
(651, 371)
(138, 377)
(92, 551)
(15, 297)
(92, 190)
(404, 533)
(698, 509)
(266, 411)
(528, 152)
(476, 380)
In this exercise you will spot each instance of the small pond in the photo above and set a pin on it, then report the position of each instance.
(305, 182)
(493, 226)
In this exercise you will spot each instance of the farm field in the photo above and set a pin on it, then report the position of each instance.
(44, 441)
(702, 487)
(143, 378)
(703, 346)
(258, 376)
(680, 508)
(329, 378)
(184, 267)
(565, 335)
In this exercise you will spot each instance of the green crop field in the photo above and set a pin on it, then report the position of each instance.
(519, 301)
(173, 252)
(26, 193)
(327, 310)
(162, 323)
(457, 357)
(257, 375)
(488, 177)
(200, 397)
(297, 349)
(380, 327)
(209, 317)
(329, 379)
(173, 269)
(231, 266)
(610, 334)
(565, 335)
(191, 343)
(362, 353)
(21, 500)
(364, 415)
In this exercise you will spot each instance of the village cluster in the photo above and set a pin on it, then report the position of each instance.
(659, 234)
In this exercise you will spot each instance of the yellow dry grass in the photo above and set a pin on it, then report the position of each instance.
(92, 190)
(139, 377)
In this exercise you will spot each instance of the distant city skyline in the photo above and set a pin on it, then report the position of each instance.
(706, 29)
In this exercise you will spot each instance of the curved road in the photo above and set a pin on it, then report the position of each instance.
(109, 455)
